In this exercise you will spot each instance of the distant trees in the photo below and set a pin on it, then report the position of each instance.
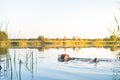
(3, 36)
(113, 37)
(41, 38)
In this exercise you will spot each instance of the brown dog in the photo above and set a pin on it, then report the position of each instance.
(64, 57)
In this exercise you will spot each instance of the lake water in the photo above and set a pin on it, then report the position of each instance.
(32, 64)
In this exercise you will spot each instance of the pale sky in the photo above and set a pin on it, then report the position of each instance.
(57, 18)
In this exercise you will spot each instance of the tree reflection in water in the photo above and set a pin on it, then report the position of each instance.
(14, 63)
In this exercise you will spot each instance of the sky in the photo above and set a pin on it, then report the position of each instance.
(58, 18)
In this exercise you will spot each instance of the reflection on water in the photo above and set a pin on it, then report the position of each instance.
(32, 64)
(46, 47)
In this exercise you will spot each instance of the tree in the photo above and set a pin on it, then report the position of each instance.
(3, 36)
(41, 38)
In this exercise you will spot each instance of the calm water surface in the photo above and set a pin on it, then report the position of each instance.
(31, 64)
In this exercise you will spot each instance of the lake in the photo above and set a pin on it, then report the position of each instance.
(34, 64)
